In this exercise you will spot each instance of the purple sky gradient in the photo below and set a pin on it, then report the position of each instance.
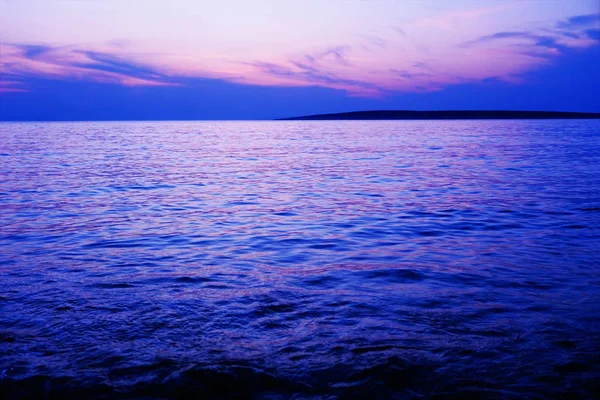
(377, 50)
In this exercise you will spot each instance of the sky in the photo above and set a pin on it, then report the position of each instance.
(264, 59)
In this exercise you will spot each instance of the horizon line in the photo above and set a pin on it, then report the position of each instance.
(309, 117)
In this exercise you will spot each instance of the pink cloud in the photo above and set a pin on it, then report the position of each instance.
(368, 65)
(70, 62)
(11, 86)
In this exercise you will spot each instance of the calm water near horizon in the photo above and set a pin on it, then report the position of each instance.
(387, 259)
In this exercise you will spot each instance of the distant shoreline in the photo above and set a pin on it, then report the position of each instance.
(445, 114)
(364, 116)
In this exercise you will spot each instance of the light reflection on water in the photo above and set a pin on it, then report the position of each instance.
(410, 258)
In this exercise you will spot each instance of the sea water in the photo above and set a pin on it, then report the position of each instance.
(386, 259)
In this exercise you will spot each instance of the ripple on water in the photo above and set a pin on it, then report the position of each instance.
(300, 260)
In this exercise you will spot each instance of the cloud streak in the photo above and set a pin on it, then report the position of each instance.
(565, 34)
(577, 21)
(421, 56)
(23, 61)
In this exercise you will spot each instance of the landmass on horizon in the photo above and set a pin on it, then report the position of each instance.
(446, 114)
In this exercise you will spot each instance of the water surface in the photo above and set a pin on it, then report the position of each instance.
(300, 259)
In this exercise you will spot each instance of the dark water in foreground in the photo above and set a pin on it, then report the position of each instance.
(300, 259)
